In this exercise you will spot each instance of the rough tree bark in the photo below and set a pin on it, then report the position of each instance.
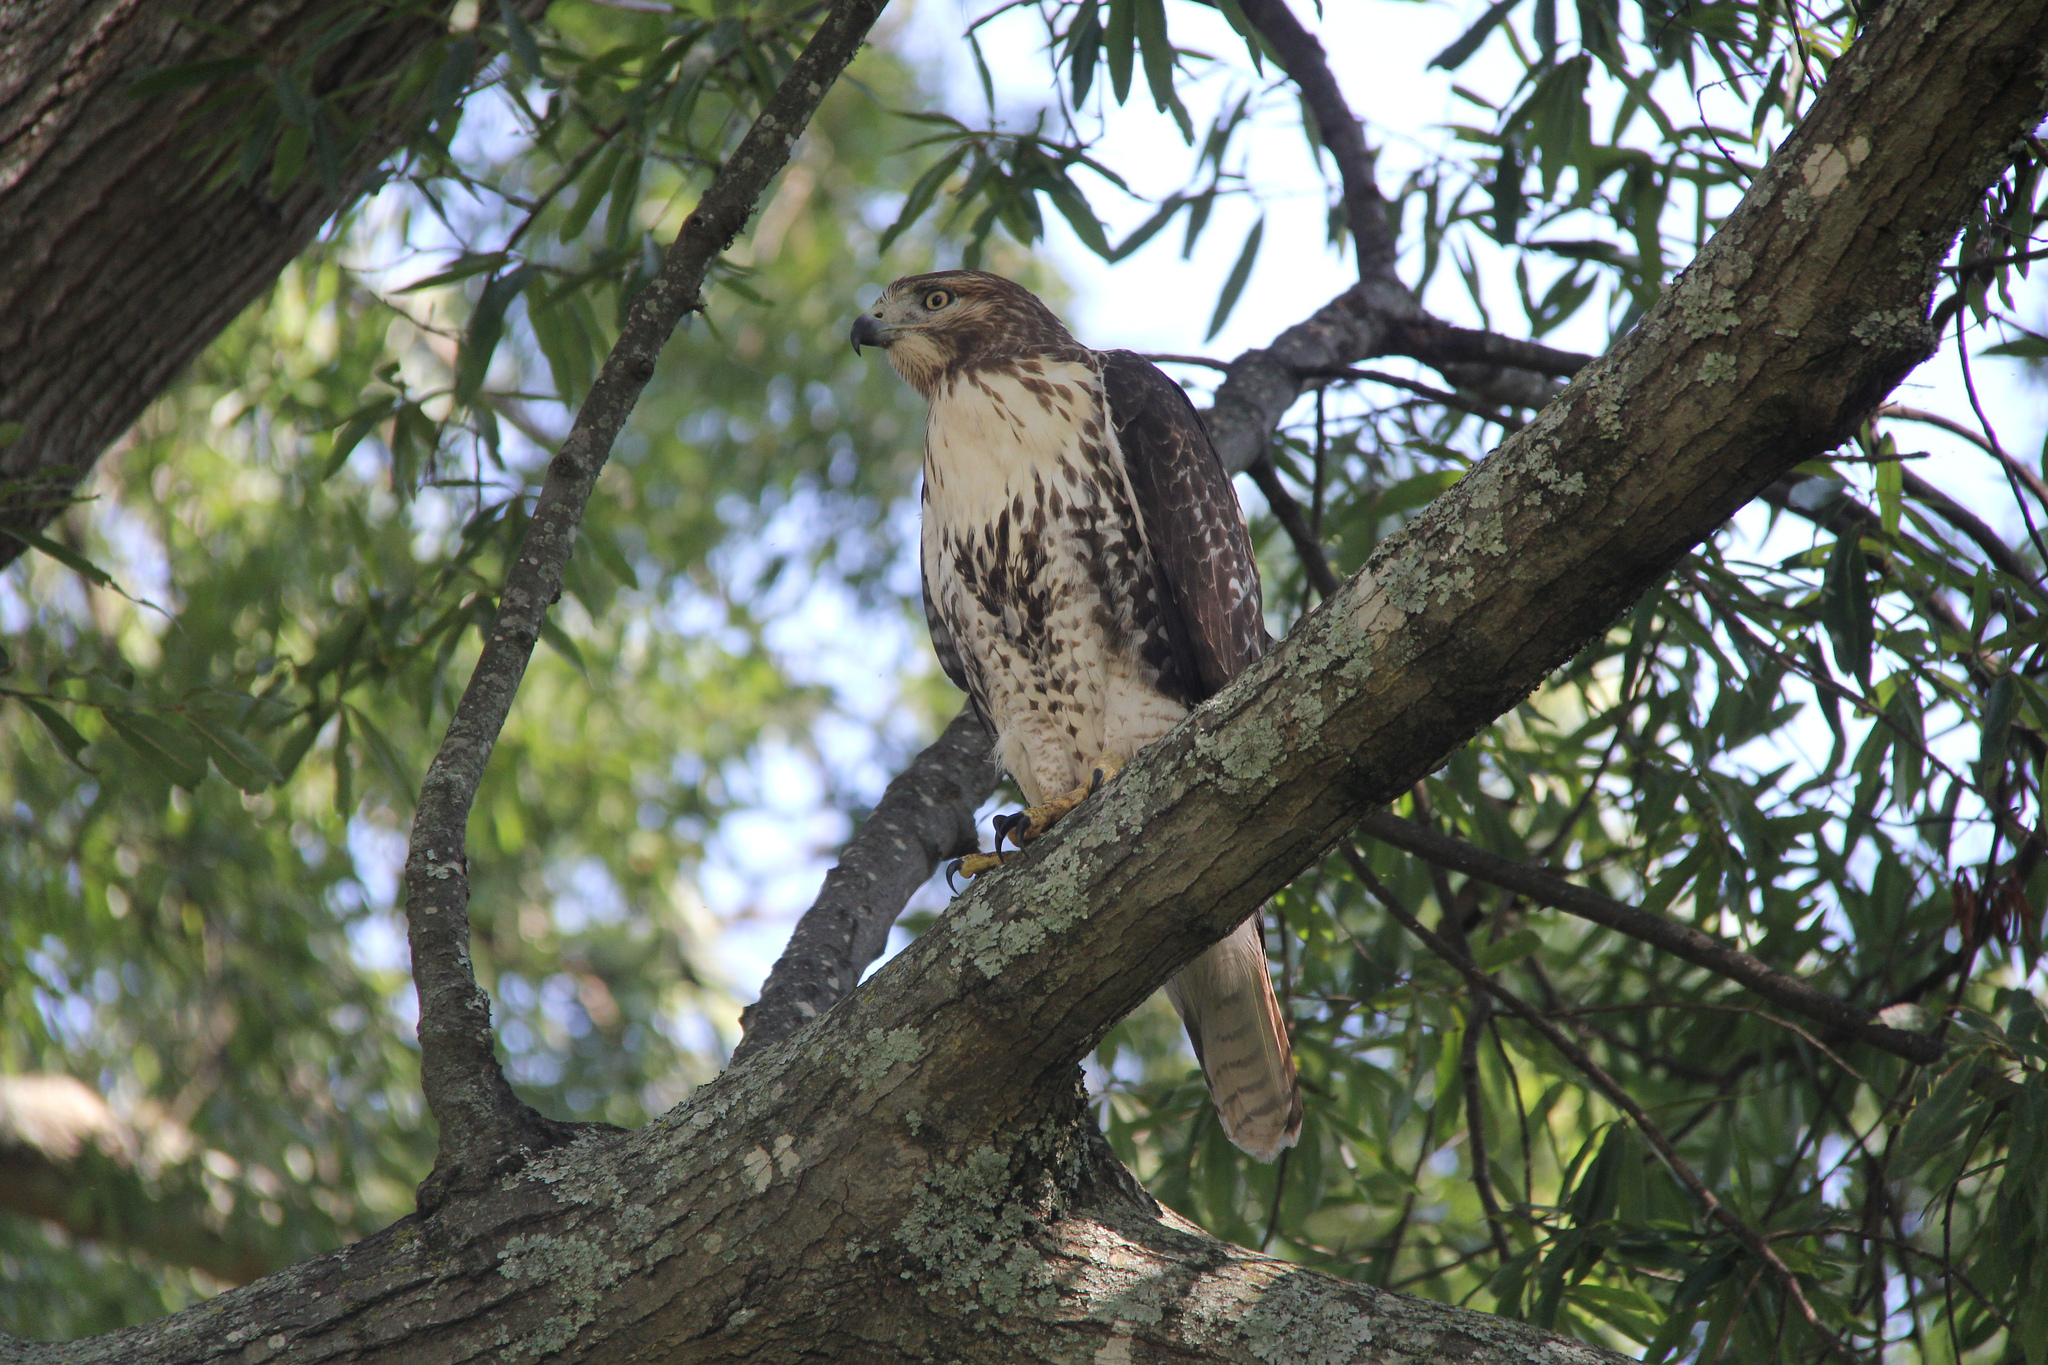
(123, 257)
(912, 1176)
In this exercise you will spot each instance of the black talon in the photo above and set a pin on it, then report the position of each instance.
(952, 871)
(1002, 825)
(1095, 782)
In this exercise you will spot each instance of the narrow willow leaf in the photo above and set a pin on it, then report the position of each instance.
(486, 326)
(172, 750)
(67, 736)
(238, 760)
(1234, 285)
(1118, 44)
(1460, 52)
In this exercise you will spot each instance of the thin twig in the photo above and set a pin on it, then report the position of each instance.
(1287, 512)
(1750, 1238)
(1680, 940)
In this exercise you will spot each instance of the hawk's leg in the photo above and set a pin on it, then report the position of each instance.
(1029, 824)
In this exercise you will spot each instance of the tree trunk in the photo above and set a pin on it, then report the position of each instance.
(126, 250)
(913, 1176)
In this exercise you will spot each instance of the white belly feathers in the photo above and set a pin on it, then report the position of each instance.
(1037, 563)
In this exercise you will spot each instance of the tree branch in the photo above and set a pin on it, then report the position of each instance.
(484, 1126)
(1680, 940)
(105, 297)
(925, 816)
(912, 1169)
(1751, 1239)
(1302, 58)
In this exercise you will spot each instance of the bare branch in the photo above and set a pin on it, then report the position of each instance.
(1302, 57)
(484, 1126)
(1314, 562)
(926, 815)
(1680, 940)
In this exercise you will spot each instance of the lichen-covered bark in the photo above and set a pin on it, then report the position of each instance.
(120, 256)
(909, 1178)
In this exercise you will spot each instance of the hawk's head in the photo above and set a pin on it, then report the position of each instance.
(953, 320)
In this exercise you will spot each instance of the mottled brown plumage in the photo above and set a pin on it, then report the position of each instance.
(1087, 579)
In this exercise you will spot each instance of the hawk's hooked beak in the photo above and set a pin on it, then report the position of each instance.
(869, 331)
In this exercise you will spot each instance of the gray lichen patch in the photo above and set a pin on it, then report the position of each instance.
(969, 1227)
(884, 1052)
(1716, 366)
(1901, 328)
(1298, 1321)
(574, 1269)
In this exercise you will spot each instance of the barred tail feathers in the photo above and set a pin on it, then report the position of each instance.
(1225, 999)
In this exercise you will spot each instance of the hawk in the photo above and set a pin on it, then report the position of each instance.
(1088, 580)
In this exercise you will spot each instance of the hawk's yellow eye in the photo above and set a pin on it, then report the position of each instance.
(937, 299)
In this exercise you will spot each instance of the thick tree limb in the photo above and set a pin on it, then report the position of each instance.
(925, 816)
(908, 1176)
(485, 1128)
(119, 259)
(1680, 940)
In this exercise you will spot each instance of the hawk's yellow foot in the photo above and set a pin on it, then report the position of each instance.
(1032, 822)
(973, 865)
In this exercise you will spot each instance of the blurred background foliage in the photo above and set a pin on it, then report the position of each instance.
(1820, 740)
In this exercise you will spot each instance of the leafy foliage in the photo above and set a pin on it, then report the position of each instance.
(1821, 739)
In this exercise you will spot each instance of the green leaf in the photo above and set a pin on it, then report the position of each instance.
(1891, 487)
(238, 760)
(1234, 285)
(1074, 207)
(597, 183)
(1157, 51)
(359, 424)
(291, 155)
(175, 752)
(1118, 44)
(2000, 708)
(66, 556)
(606, 551)
(1458, 53)
(467, 264)
(559, 641)
(1846, 608)
(1491, 957)
(923, 192)
(1084, 46)
(486, 327)
(1936, 1122)
(519, 38)
(344, 769)
(67, 736)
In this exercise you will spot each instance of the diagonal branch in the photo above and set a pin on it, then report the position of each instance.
(868, 1187)
(1303, 59)
(1680, 940)
(483, 1124)
(926, 815)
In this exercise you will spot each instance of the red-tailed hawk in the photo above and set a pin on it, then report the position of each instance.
(1088, 579)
